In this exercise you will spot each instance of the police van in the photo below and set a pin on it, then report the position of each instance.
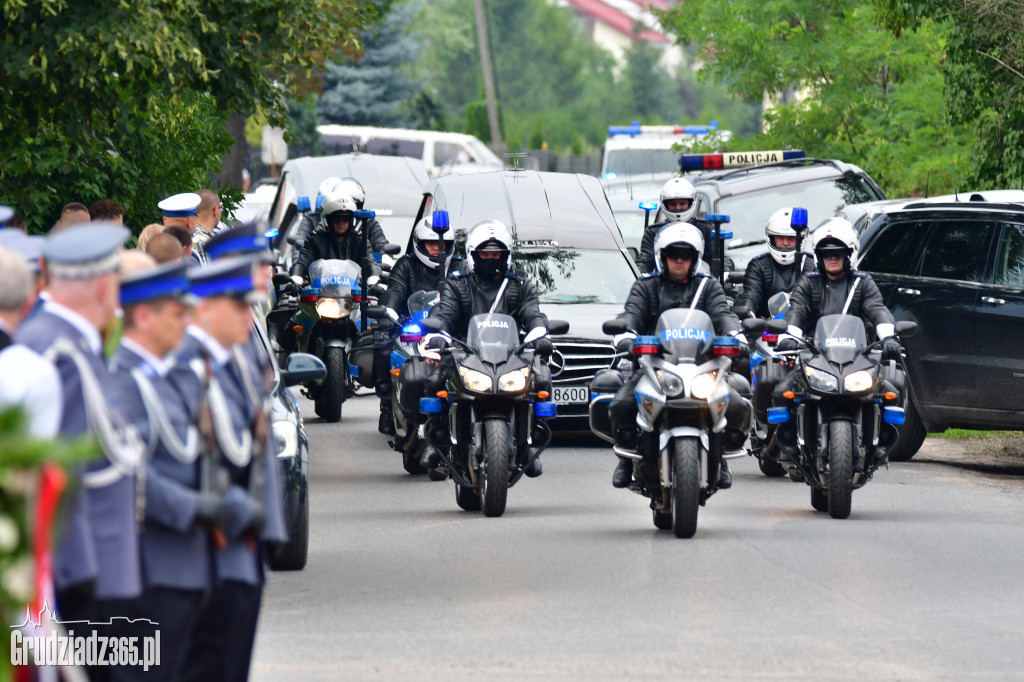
(441, 152)
(642, 150)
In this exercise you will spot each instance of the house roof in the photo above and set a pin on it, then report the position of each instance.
(619, 20)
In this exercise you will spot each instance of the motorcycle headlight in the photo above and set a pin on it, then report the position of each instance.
(821, 381)
(514, 381)
(859, 382)
(333, 308)
(703, 385)
(671, 385)
(286, 438)
(475, 381)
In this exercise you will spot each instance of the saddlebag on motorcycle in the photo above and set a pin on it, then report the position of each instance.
(416, 376)
(362, 358)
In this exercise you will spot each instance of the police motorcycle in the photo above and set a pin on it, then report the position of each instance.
(497, 407)
(683, 397)
(411, 356)
(836, 413)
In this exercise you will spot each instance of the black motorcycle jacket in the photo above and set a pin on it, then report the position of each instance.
(321, 244)
(652, 294)
(817, 295)
(463, 295)
(765, 278)
(645, 261)
(410, 275)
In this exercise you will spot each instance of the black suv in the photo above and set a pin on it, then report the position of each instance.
(750, 194)
(957, 269)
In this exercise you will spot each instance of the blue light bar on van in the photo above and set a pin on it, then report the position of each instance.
(634, 129)
(692, 162)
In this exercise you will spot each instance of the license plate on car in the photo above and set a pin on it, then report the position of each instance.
(567, 395)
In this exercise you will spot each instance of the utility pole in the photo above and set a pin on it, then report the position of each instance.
(485, 62)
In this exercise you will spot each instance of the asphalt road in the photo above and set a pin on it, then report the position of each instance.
(922, 582)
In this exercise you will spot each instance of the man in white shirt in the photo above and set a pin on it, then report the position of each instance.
(26, 379)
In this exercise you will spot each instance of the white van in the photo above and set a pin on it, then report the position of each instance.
(636, 149)
(441, 152)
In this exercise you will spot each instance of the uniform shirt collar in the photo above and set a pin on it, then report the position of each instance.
(157, 364)
(6, 328)
(82, 325)
(219, 354)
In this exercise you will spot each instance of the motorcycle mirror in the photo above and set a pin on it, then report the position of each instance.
(906, 328)
(753, 326)
(735, 276)
(535, 333)
(430, 325)
(613, 327)
(776, 326)
(281, 278)
(376, 312)
(558, 327)
(392, 249)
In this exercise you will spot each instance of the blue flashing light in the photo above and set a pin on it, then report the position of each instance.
(319, 201)
(353, 370)
(778, 415)
(798, 219)
(397, 360)
(717, 218)
(302, 204)
(545, 410)
(719, 234)
(610, 175)
(430, 405)
(378, 257)
(723, 341)
(648, 205)
(364, 214)
(893, 415)
(439, 221)
(411, 333)
(271, 233)
(647, 341)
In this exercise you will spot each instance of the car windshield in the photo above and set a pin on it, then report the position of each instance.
(396, 228)
(485, 155)
(564, 276)
(749, 212)
(636, 161)
(631, 225)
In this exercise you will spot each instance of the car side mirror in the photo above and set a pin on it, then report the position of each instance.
(906, 328)
(613, 327)
(558, 327)
(302, 368)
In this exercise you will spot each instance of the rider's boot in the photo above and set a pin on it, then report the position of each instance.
(724, 477)
(535, 469)
(386, 425)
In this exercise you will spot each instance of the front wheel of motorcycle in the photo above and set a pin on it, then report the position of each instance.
(685, 485)
(840, 469)
(333, 391)
(497, 451)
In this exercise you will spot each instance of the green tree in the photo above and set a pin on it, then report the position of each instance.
(105, 99)
(846, 88)
(984, 78)
(377, 87)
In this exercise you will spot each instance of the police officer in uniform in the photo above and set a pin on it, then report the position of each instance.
(374, 232)
(677, 284)
(96, 562)
(416, 271)
(175, 543)
(181, 209)
(488, 285)
(221, 643)
(678, 205)
(778, 269)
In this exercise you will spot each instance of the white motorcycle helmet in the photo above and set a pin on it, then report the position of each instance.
(778, 225)
(354, 189)
(423, 232)
(337, 204)
(489, 235)
(678, 188)
(678, 234)
(328, 186)
(836, 234)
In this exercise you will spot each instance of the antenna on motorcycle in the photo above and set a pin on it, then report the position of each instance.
(716, 242)
(647, 206)
(440, 225)
(364, 215)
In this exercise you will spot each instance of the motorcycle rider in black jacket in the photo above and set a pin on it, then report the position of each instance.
(416, 271)
(488, 285)
(677, 284)
(677, 206)
(777, 270)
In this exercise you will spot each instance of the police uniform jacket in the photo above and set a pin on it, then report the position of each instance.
(175, 552)
(100, 541)
(816, 295)
(463, 295)
(652, 294)
(410, 275)
(645, 261)
(321, 244)
(236, 562)
(765, 278)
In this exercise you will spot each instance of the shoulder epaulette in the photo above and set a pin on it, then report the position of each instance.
(648, 275)
(860, 274)
(812, 274)
(458, 274)
(760, 256)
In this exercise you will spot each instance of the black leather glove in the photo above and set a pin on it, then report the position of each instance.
(625, 346)
(891, 349)
(788, 344)
(210, 512)
(543, 346)
(437, 343)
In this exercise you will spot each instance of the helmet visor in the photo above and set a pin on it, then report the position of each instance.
(679, 251)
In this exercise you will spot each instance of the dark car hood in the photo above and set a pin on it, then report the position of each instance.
(585, 319)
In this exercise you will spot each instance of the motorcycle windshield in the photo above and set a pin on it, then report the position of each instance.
(492, 337)
(334, 278)
(683, 332)
(420, 303)
(841, 338)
